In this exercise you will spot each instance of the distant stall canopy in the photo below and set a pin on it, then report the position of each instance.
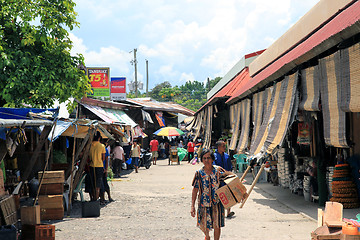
(77, 128)
(111, 115)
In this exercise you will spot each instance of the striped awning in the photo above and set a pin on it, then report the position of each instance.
(330, 87)
(235, 112)
(277, 117)
(245, 126)
(284, 113)
(199, 122)
(350, 78)
(260, 102)
(208, 128)
(310, 89)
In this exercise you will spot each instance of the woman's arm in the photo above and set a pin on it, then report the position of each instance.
(193, 200)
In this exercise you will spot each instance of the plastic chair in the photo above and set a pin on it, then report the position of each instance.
(79, 188)
(241, 161)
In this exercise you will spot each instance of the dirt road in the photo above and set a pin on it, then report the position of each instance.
(155, 204)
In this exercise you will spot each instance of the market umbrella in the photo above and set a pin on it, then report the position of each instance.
(169, 131)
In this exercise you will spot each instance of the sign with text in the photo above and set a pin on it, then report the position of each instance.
(118, 88)
(99, 78)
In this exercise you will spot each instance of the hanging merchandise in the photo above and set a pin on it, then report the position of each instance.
(304, 137)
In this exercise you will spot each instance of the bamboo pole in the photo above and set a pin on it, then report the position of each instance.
(253, 184)
(46, 163)
(245, 173)
(72, 166)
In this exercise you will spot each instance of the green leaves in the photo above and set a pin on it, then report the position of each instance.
(36, 66)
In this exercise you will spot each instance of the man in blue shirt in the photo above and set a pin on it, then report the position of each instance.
(223, 160)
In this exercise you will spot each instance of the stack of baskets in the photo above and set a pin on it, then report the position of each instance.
(283, 168)
(343, 187)
(329, 178)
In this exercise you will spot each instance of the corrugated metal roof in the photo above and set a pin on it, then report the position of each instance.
(106, 104)
(149, 104)
(230, 88)
(344, 25)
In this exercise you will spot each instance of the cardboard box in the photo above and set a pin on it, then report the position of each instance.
(233, 192)
(30, 215)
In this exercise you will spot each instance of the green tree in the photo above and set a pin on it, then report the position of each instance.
(155, 92)
(212, 83)
(36, 66)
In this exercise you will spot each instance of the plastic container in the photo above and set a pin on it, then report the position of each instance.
(8, 232)
(349, 229)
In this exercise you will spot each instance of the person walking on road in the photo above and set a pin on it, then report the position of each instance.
(223, 160)
(135, 154)
(97, 157)
(210, 213)
(190, 149)
(154, 147)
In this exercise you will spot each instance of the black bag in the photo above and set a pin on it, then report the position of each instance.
(90, 209)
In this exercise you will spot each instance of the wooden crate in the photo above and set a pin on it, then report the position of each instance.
(50, 201)
(38, 232)
(30, 215)
(8, 210)
(52, 177)
(52, 189)
(52, 213)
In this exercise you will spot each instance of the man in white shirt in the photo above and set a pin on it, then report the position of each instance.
(118, 156)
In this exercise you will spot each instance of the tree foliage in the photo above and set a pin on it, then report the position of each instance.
(36, 66)
(191, 95)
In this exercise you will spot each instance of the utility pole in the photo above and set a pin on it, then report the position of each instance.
(136, 84)
(147, 78)
(208, 83)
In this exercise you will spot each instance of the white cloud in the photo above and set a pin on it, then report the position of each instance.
(183, 39)
(187, 77)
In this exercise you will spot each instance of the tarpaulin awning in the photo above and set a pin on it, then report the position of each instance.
(121, 117)
(78, 129)
(146, 116)
(111, 115)
(245, 126)
(22, 113)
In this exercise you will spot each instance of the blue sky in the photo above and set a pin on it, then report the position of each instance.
(183, 39)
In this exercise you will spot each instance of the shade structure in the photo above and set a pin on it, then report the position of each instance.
(169, 132)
